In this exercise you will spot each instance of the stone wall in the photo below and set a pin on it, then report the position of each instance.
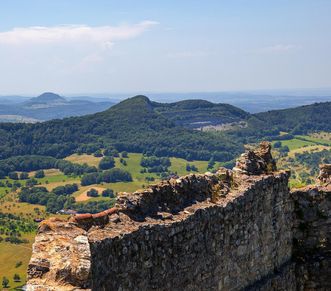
(233, 230)
(226, 245)
(238, 240)
(312, 237)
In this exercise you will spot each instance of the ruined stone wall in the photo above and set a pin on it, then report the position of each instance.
(224, 246)
(312, 237)
(241, 240)
(233, 230)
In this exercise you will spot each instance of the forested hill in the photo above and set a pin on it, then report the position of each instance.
(132, 125)
(198, 113)
(140, 125)
(300, 119)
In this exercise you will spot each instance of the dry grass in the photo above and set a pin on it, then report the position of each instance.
(11, 254)
(48, 173)
(308, 149)
(82, 193)
(52, 185)
(84, 159)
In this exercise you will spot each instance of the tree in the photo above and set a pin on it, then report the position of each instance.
(18, 264)
(211, 163)
(277, 144)
(188, 167)
(194, 168)
(98, 154)
(92, 193)
(24, 176)
(17, 278)
(5, 282)
(39, 174)
(108, 193)
(13, 175)
(125, 154)
(107, 163)
(31, 182)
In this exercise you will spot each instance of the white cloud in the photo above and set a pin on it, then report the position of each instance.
(72, 34)
(59, 57)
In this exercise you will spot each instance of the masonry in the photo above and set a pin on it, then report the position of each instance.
(232, 230)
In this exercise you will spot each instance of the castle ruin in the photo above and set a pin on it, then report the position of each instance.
(232, 230)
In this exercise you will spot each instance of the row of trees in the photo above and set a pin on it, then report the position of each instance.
(5, 280)
(154, 164)
(54, 201)
(108, 176)
(93, 206)
(37, 163)
(24, 175)
(105, 193)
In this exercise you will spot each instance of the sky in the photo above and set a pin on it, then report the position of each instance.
(97, 46)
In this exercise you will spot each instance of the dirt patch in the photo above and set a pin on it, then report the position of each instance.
(84, 159)
(48, 173)
(83, 196)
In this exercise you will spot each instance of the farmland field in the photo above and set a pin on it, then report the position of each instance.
(11, 254)
(301, 146)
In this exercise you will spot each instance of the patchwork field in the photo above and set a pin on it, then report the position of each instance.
(304, 155)
(11, 254)
(296, 143)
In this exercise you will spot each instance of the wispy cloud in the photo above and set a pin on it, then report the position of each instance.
(68, 34)
(187, 54)
(278, 48)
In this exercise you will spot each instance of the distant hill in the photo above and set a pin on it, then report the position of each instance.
(47, 99)
(299, 120)
(133, 125)
(49, 106)
(140, 125)
(200, 113)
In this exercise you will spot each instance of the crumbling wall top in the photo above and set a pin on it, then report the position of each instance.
(256, 162)
(324, 176)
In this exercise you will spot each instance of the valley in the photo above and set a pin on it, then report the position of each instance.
(79, 164)
(10, 203)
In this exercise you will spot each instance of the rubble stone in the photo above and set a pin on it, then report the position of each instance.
(256, 162)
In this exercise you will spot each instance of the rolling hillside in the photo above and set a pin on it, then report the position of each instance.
(132, 125)
(299, 120)
(200, 113)
(142, 126)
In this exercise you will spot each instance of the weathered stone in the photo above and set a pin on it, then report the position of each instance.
(256, 162)
(222, 231)
(61, 257)
(312, 237)
(324, 176)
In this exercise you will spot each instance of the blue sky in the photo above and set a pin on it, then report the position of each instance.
(163, 46)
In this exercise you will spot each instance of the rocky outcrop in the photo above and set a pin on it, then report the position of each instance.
(232, 230)
(324, 176)
(61, 257)
(256, 162)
